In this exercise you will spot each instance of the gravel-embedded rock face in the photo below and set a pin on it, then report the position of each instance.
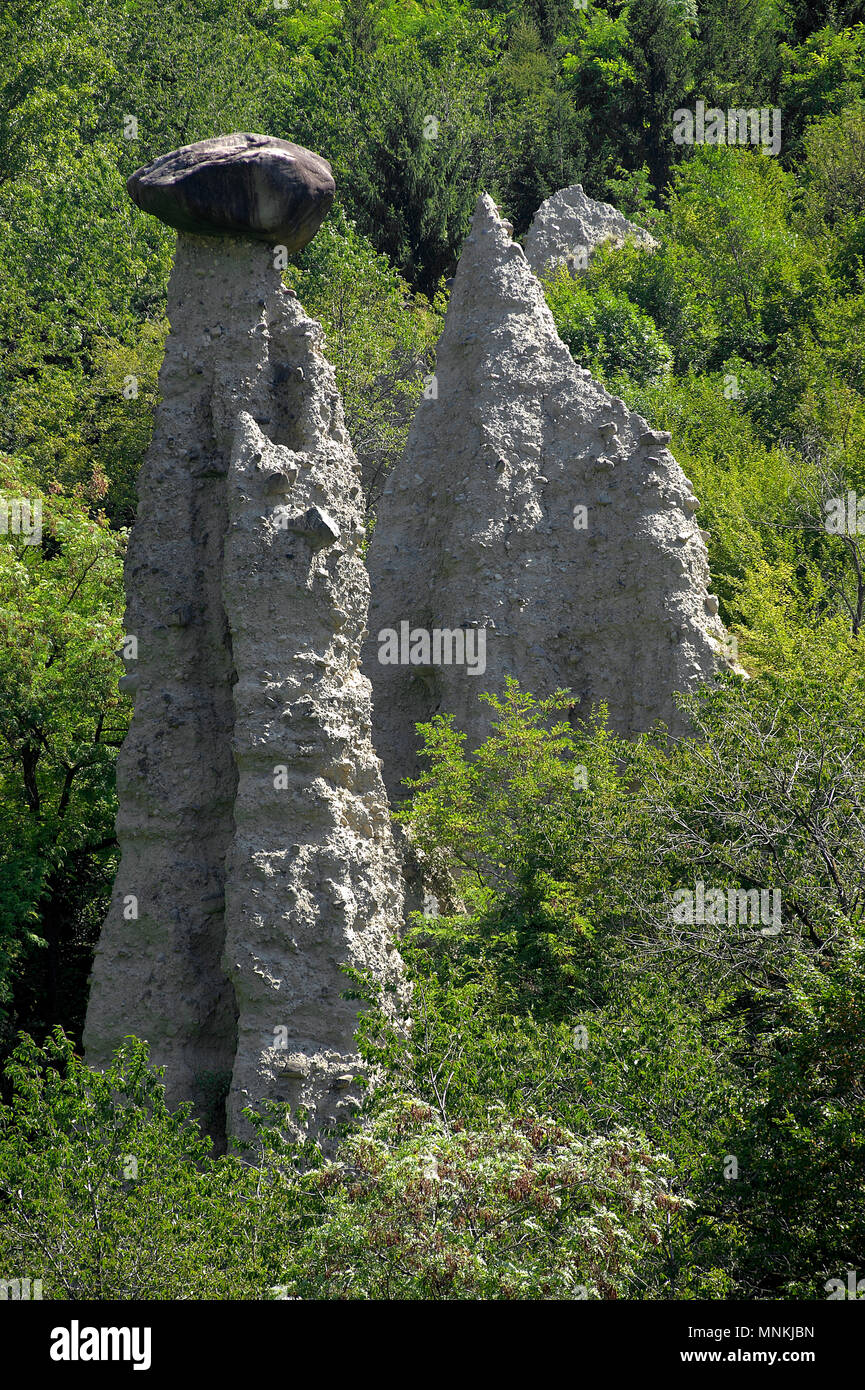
(246, 185)
(256, 851)
(311, 876)
(570, 225)
(538, 515)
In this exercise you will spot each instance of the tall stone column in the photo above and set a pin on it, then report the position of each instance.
(256, 851)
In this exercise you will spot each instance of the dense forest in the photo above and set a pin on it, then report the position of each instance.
(596, 1099)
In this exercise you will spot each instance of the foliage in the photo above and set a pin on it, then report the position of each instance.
(571, 926)
(380, 336)
(518, 1209)
(794, 1216)
(106, 1195)
(822, 75)
(567, 1032)
(605, 330)
(61, 722)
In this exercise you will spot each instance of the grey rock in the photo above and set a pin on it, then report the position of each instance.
(318, 528)
(569, 227)
(653, 437)
(238, 185)
(312, 881)
(520, 428)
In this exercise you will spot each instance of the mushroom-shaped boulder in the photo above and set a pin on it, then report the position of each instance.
(238, 185)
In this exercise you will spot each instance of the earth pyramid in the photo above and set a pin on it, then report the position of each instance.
(534, 527)
(257, 857)
(570, 226)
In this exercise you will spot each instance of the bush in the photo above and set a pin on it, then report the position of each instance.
(379, 336)
(605, 330)
(516, 1209)
(105, 1194)
(62, 719)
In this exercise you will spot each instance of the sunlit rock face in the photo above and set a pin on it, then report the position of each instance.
(570, 226)
(257, 858)
(540, 518)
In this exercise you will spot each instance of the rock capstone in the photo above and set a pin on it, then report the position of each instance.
(239, 185)
(534, 527)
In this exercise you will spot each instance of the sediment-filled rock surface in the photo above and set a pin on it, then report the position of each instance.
(542, 518)
(256, 852)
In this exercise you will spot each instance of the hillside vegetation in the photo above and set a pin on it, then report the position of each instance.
(600, 1097)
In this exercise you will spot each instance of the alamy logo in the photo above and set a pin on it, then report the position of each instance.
(575, 259)
(18, 517)
(20, 1289)
(854, 1288)
(731, 906)
(443, 646)
(737, 126)
(845, 516)
(77, 1343)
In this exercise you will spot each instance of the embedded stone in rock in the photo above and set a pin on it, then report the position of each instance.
(575, 574)
(318, 528)
(569, 226)
(238, 185)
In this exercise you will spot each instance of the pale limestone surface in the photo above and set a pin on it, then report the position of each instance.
(570, 226)
(241, 889)
(476, 527)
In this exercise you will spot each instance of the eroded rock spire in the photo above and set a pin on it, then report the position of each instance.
(535, 527)
(256, 852)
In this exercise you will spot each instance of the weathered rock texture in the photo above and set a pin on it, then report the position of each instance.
(570, 225)
(250, 185)
(478, 527)
(256, 851)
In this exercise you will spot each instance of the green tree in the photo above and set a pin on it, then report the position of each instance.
(379, 336)
(516, 1209)
(661, 43)
(606, 330)
(737, 59)
(61, 722)
(793, 1218)
(820, 77)
(105, 1194)
(540, 139)
(413, 181)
